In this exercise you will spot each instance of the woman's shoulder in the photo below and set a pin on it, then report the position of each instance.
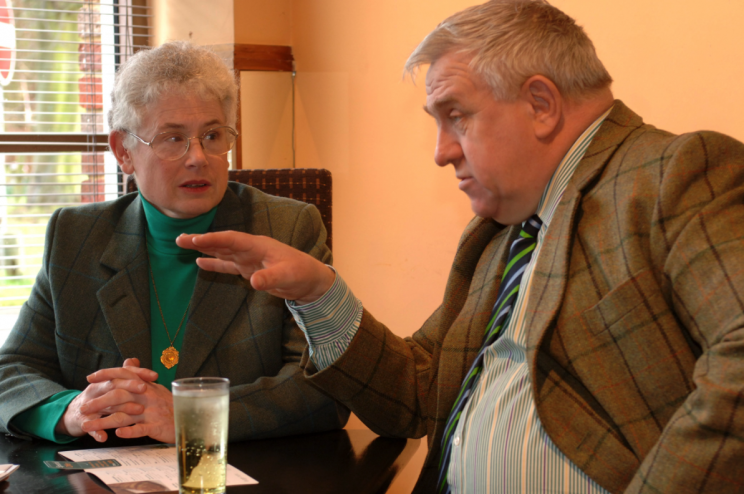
(102, 215)
(265, 214)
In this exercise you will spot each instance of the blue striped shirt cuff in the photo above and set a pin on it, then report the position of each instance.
(329, 323)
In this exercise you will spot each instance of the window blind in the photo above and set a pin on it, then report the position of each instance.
(53, 121)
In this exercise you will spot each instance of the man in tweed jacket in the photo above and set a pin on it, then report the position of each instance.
(634, 323)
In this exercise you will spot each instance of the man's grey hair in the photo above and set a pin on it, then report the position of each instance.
(513, 40)
(177, 67)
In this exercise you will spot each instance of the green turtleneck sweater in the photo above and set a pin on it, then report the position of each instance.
(175, 272)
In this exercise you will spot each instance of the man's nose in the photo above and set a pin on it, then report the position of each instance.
(448, 149)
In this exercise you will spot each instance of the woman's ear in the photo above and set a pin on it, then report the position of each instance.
(546, 103)
(122, 154)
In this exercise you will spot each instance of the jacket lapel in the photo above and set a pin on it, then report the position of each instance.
(125, 298)
(550, 274)
(217, 297)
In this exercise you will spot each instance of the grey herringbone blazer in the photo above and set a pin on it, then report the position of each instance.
(90, 309)
(635, 322)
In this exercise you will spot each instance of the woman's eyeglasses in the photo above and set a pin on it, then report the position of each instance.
(171, 146)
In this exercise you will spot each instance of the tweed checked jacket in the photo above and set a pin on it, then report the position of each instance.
(635, 322)
(90, 309)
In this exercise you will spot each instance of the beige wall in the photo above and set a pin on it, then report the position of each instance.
(204, 23)
(263, 22)
(266, 119)
(397, 217)
(679, 64)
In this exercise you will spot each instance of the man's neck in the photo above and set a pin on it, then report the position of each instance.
(578, 115)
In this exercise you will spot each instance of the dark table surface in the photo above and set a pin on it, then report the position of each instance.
(347, 461)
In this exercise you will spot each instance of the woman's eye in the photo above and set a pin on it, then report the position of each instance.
(173, 138)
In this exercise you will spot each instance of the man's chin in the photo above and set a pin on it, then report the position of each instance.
(485, 211)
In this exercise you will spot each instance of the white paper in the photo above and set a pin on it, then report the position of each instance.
(152, 467)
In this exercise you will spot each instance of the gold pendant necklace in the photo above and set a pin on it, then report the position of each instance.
(169, 358)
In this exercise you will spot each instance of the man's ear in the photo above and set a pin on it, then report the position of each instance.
(122, 154)
(546, 104)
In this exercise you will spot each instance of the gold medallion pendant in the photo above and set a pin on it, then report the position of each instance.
(169, 358)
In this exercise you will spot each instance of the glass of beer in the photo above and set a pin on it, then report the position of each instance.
(201, 406)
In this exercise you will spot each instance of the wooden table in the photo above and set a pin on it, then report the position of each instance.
(353, 461)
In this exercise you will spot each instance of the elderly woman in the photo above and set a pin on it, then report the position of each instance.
(119, 311)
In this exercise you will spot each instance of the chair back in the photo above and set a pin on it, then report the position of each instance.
(310, 185)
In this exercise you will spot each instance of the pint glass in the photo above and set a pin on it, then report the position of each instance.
(201, 406)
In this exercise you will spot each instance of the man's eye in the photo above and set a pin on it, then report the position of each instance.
(455, 116)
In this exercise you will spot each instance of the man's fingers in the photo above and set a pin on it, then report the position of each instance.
(218, 265)
(217, 240)
(269, 279)
(131, 362)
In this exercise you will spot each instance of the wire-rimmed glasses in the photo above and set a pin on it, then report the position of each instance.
(171, 146)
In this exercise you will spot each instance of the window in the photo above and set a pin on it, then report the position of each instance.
(54, 130)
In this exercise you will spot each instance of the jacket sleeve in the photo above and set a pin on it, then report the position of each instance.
(29, 366)
(701, 448)
(286, 403)
(405, 387)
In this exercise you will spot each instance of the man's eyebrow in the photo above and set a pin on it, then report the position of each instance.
(438, 104)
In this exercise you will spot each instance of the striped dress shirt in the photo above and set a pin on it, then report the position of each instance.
(499, 445)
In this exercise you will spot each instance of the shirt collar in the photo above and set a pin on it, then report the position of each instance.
(566, 168)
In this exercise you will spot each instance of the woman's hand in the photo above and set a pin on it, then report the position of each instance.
(112, 391)
(147, 411)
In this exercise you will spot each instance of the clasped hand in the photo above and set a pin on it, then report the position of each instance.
(123, 398)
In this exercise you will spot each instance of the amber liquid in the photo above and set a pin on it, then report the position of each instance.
(201, 419)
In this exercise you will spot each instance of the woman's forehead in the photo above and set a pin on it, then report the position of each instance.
(182, 112)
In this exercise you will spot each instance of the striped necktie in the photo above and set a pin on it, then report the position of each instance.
(520, 254)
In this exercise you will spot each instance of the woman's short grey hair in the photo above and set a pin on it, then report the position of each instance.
(513, 40)
(175, 67)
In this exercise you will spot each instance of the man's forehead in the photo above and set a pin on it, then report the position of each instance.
(453, 67)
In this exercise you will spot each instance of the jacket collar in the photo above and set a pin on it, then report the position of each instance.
(125, 298)
(550, 271)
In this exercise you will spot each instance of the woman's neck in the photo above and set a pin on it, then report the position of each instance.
(162, 230)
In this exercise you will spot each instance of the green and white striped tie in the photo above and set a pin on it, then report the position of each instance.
(520, 254)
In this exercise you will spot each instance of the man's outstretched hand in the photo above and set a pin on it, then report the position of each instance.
(270, 265)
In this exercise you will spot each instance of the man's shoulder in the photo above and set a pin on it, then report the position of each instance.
(636, 139)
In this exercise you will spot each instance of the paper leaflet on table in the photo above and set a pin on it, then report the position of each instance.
(154, 464)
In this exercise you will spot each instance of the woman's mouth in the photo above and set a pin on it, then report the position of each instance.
(195, 185)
